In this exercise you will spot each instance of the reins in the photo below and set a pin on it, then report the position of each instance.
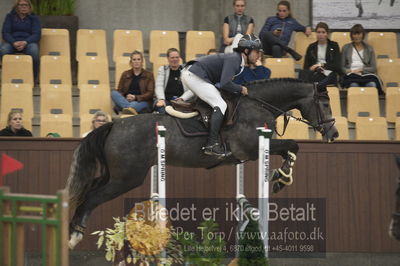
(287, 115)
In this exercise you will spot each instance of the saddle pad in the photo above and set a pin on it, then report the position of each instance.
(192, 127)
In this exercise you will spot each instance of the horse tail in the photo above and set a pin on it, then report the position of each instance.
(87, 159)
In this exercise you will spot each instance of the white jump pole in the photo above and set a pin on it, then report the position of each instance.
(161, 166)
(264, 136)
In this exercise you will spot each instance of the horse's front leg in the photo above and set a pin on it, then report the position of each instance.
(283, 175)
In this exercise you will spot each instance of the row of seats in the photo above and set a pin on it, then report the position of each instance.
(56, 102)
(94, 70)
(56, 110)
(384, 43)
(388, 69)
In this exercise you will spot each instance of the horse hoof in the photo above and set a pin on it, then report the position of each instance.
(76, 237)
(277, 186)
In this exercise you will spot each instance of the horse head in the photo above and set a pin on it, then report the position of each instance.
(286, 94)
(317, 110)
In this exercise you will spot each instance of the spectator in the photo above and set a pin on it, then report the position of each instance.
(168, 84)
(322, 61)
(212, 51)
(21, 33)
(358, 62)
(237, 23)
(99, 119)
(135, 88)
(53, 135)
(14, 126)
(253, 71)
(277, 31)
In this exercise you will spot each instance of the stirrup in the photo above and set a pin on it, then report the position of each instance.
(210, 150)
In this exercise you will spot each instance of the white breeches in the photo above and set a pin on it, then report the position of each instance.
(204, 90)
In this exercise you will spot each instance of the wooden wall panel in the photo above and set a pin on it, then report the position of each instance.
(357, 179)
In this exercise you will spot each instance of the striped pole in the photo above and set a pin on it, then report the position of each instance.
(264, 136)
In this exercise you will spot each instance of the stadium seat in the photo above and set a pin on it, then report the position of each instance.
(55, 42)
(59, 123)
(94, 71)
(55, 70)
(91, 43)
(125, 42)
(16, 96)
(392, 104)
(160, 42)
(334, 97)
(198, 43)
(397, 128)
(341, 38)
(280, 67)
(388, 71)
(94, 97)
(371, 128)
(17, 69)
(301, 42)
(362, 101)
(56, 99)
(343, 128)
(384, 44)
(295, 129)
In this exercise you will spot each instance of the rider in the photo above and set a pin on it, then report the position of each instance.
(210, 74)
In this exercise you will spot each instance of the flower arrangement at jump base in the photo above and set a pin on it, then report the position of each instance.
(140, 239)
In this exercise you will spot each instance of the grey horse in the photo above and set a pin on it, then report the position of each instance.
(116, 157)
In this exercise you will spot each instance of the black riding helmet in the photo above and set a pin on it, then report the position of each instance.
(248, 41)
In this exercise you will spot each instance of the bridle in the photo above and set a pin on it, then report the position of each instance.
(321, 120)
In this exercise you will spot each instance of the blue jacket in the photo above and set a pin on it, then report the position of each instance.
(248, 74)
(17, 29)
(219, 70)
(287, 25)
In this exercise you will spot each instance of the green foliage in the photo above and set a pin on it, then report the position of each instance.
(54, 7)
(209, 251)
(252, 252)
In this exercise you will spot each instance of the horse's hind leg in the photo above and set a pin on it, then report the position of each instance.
(109, 191)
(288, 150)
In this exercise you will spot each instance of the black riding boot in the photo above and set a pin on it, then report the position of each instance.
(293, 53)
(213, 146)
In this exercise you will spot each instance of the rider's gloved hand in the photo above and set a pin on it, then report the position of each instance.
(244, 91)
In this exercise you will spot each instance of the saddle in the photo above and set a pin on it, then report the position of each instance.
(202, 109)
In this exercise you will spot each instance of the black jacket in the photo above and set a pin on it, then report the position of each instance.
(7, 132)
(332, 57)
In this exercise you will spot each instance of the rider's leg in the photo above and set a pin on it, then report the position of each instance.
(269, 41)
(210, 94)
(213, 144)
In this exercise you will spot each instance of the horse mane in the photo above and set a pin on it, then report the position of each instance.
(274, 80)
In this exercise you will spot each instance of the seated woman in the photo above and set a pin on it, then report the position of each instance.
(235, 26)
(15, 127)
(253, 71)
(277, 31)
(135, 88)
(21, 33)
(168, 83)
(99, 119)
(322, 61)
(358, 62)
